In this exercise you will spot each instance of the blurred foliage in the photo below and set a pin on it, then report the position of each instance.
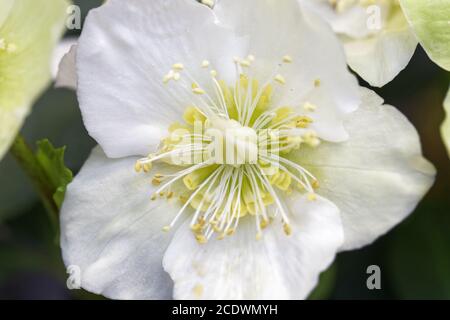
(414, 257)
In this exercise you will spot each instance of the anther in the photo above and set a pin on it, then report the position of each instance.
(309, 107)
(201, 239)
(245, 63)
(287, 59)
(166, 229)
(198, 91)
(205, 64)
(209, 3)
(147, 167)
(138, 166)
(280, 79)
(287, 229)
(178, 67)
(312, 197)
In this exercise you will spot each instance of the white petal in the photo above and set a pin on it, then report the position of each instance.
(67, 73)
(380, 58)
(275, 267)
(111, 230)
(278, 28)
(377, 177)
(351, 22)
(445, 128)
(124, 52)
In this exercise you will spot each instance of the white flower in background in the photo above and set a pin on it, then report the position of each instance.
(430, 21)
(29, 31)
(349, 168)
(378, 40)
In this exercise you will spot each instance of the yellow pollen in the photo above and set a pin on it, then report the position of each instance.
(156, 182)
(280, 79)
(201, 239)
(287, 59)
(315, 184)
(309, 107)
(245, 63)
(198, 91)
(317, 83)
(138, 166)
(205, 64)
(264, 224)
(230, 232)
(178, 66)
(287, 229)
(312, 197)
(209, 3)
(147, 167)
(166, 229)
(198, 289)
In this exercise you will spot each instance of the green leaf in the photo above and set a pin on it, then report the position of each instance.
(430, 22)
(326, 284)
(51, 160)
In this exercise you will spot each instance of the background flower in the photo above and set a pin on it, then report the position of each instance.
(29, 30)
(430, 23)
(378, 40)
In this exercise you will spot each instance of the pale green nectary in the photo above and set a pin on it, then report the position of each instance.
(29, 30)
(445, 129)
(430, 21)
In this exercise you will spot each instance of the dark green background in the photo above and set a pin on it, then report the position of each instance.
(414, 257)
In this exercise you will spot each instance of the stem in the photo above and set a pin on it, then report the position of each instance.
(27, 160)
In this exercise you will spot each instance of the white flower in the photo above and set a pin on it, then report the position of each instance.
(378, 40)
(350, 168)
(29, 30)
(430, 21)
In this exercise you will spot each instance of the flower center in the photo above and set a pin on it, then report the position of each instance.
(230, 153)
